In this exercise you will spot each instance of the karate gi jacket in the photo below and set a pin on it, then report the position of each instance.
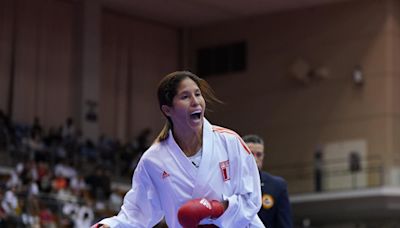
(165, 179)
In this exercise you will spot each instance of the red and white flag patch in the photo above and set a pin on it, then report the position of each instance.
(224, 166)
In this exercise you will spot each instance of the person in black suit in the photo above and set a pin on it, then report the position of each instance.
(276, 210)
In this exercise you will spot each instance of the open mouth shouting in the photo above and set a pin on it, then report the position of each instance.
(196, 116)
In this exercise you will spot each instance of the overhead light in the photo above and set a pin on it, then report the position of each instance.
(358, 77)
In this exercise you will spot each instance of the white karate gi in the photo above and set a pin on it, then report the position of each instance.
(165, 179)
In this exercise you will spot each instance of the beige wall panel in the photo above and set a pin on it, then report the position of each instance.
(59, 83)
(301, 143)
(395, 115)
(156, 56)
(271, 97)
(395, 88)
(394, 77)
(290, 151)
(136, 55)
(393, 24)
(295, 118)
(44, 82)
(26, 72)
(300, 109)
(294, 29)
(396, 141)
(6, 20)
(113, 70)
(394, 40)
(393, 28)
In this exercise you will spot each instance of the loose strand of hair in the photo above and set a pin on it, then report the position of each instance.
(209, 94)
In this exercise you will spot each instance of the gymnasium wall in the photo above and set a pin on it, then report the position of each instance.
(295, 117)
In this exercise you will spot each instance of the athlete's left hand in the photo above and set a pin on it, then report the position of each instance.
(193, 211)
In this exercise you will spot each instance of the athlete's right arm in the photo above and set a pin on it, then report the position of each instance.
(141, 207)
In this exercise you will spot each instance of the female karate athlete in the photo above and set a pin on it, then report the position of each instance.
(195, 173)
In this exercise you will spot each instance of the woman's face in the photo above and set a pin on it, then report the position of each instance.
(188, 107)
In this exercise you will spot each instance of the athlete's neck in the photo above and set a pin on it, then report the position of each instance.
(189, 142)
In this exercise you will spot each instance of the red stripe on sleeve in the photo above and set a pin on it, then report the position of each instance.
(225, 130)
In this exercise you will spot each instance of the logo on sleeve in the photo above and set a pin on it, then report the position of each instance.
(205, 203)
(267, 201)
(224, 166)
(165, 174)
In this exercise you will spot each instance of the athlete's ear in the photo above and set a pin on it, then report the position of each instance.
(166, 110)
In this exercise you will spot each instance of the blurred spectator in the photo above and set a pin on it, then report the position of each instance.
(37, 127)
(33, 189)
(70, 210)
(53, 137)
(60, 152)
(84, 217)
(29, 172)
(3, 214)
(116, 199)
(106, 150)
(142, 140)
(65, 169)
(10, 202)
(46, 177)
(99, 184)
(3, 131)
(13, 180)
(32, 200)
(36, 147)
(318, 169)
(59, 183)
(68, 130)
(47, 218)
(140, 146)
(78, 184)
(65, 195)
(46, 182)
(88, 151)
(42, 170)
(126, 157)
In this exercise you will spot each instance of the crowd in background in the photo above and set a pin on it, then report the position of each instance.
(58, 178)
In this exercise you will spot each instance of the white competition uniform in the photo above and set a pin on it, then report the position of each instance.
(165, 179)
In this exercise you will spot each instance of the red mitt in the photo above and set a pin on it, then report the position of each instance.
(193, 211)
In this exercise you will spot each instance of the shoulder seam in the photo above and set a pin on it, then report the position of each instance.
(226, 130)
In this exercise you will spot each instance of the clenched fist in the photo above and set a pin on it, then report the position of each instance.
(193, 211)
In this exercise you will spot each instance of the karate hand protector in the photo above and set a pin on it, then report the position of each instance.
(192, 212)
